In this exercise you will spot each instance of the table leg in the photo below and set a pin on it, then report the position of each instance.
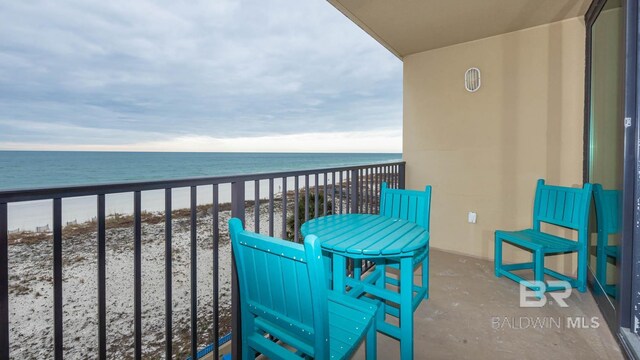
(357, 269)
(406, 308)
(339, 265)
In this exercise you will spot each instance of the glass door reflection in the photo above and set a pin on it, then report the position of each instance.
(606, 131)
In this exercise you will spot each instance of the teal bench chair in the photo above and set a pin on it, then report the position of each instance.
(607, 204)
(561, 206)
(282, 297)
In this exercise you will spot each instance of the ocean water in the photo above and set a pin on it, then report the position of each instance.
(38, 169)
(30, 169)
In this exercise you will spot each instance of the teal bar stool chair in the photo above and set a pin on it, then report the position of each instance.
(414, 206)
(282, 303)
(607, 204)
(561, 206)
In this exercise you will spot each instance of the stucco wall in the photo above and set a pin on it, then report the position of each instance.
(484, 151)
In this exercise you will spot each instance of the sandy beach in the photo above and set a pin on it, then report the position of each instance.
(31, 286)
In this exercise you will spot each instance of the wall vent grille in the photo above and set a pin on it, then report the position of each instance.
(472, 79)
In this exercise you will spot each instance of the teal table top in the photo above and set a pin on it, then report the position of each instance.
(367, 235)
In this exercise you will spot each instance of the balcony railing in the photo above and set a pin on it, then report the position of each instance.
(301, 195)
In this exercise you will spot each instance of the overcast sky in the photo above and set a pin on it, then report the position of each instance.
(213, 75)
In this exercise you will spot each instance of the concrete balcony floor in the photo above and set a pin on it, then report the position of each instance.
(458, 321)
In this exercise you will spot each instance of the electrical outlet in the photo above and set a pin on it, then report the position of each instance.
(473, 217)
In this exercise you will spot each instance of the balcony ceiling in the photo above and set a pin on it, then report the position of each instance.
(407, 27)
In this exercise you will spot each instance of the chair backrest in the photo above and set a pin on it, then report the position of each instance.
(607, 209)
(280, 283)
(563, 206)
(411, 205)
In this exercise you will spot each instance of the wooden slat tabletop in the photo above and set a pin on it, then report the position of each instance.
(367, 235)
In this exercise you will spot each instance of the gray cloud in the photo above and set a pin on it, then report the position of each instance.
(119, 72)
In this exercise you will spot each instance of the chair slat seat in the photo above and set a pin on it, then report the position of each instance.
(536, 240)
(347, 326)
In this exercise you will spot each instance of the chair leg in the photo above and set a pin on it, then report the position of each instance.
(538, 271)
(425, 275)
(248, 353)
(582, 270)
(406, 308)
(371, 343)
(497, 259)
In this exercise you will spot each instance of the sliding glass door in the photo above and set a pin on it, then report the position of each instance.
(605, 151)
(612, 161)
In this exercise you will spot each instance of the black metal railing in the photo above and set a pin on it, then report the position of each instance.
(352, 189)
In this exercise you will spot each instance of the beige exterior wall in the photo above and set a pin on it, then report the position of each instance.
(484, 151)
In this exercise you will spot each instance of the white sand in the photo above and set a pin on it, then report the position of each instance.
(31, 290)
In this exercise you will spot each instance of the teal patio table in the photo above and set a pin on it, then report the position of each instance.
(379, 239)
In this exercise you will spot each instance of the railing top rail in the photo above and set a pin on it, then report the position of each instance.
(18, 195)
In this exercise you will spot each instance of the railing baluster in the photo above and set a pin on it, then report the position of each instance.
(324, 191)
(284, 208)
(168, 276)
(256, 203)
(137, 272)
(401, 175)
(333, 192)
(372, 188)
(341, 198)
(102, 263)
(296, 202)
(316, 202)
(306, 197)
(372, 184)
(216, 273)
(348, 191)
(367, 194)
(385, 174)
(354, 191)
(237, 211)
(378, 171)
(4, 281)
(194, 273)
(360, 193)
(57, 279)
(393, 177)
(271, 207)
